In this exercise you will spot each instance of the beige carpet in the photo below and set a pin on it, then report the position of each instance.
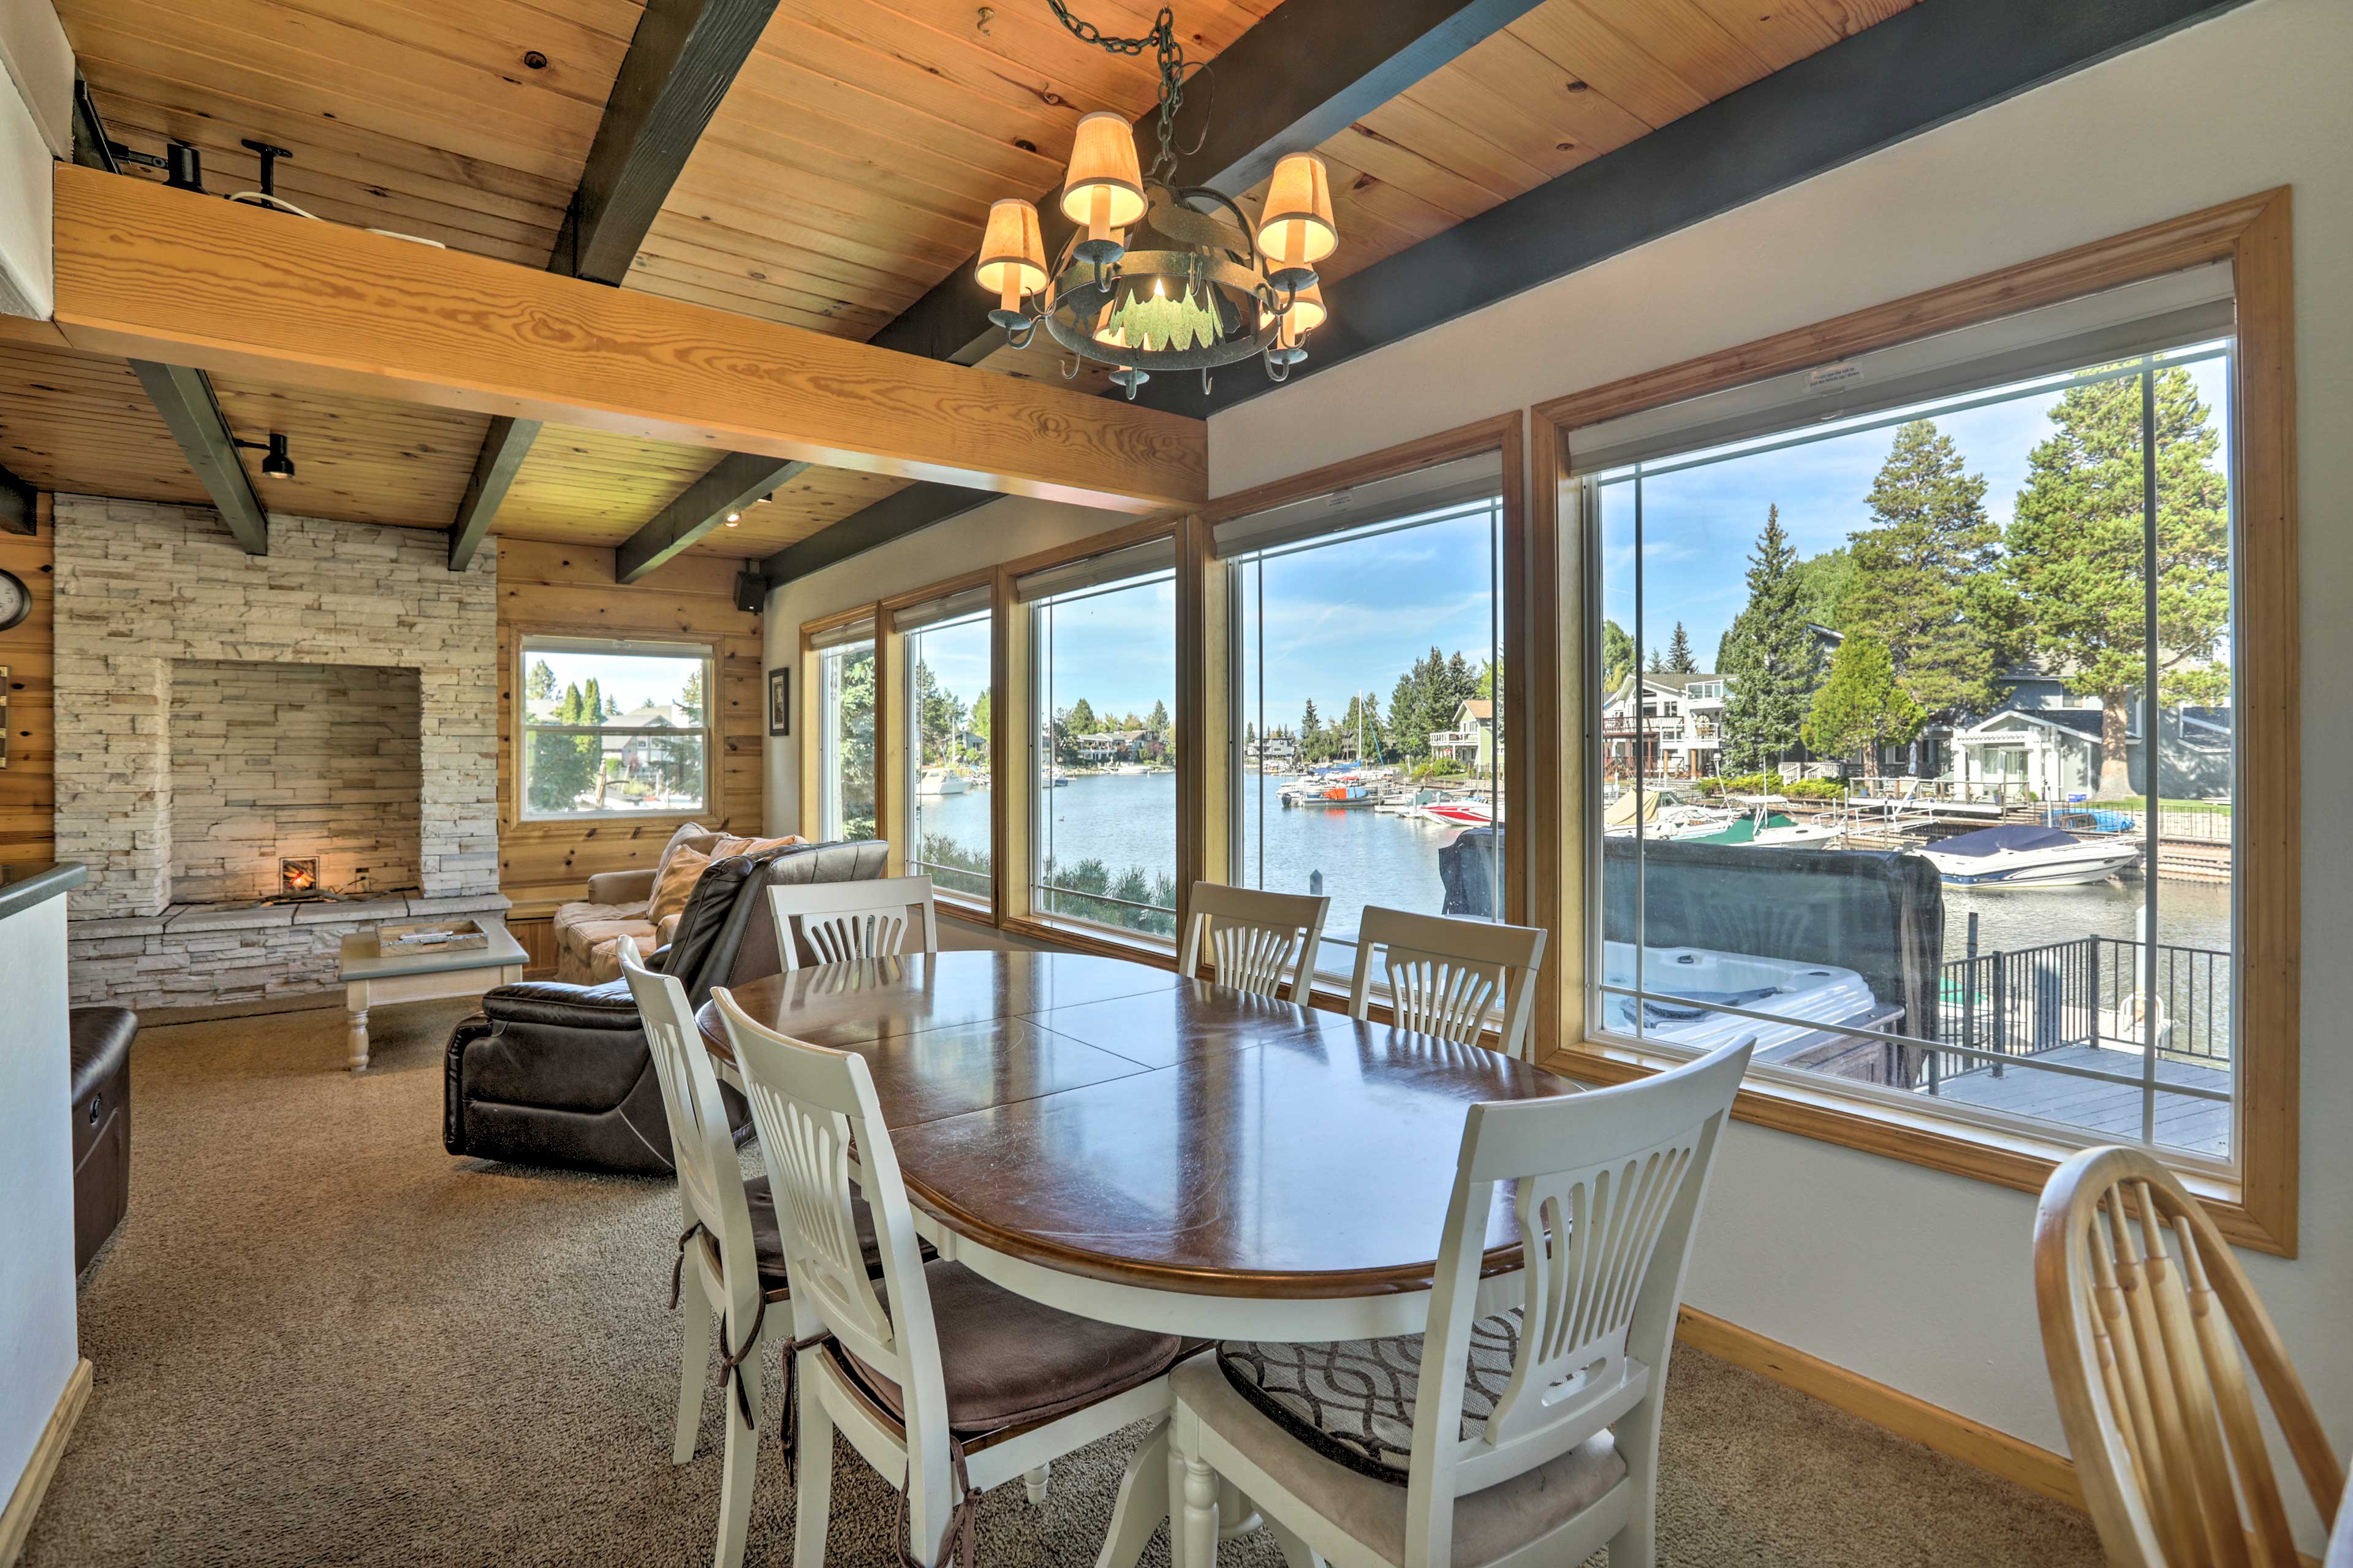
(320, 1340)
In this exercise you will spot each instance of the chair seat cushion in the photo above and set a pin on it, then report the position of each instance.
(1488, 1525)
(589, 940)
(99, 1040)
(1008, 1360)
(768, 1239)
(1353, 1401)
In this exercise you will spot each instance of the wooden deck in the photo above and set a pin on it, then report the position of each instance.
(2183, 1121)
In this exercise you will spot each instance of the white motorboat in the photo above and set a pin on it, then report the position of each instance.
(933, 782)
(2016, 855)
(1467, 811)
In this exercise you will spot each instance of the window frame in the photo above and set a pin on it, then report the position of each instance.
(2258, 1206)
(895, 754)
(525, 639)
(813, 723)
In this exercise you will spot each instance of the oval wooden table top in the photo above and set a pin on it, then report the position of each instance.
(1113, 1120)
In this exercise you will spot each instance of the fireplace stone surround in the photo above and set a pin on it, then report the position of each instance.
(179, 659)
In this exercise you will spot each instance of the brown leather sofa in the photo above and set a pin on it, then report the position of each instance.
(554, 1074)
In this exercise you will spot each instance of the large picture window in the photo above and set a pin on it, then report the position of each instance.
(1916, 745)
(1103, 825)
(614, 728)
(843, 711)
(1367, 697)
(946, 714)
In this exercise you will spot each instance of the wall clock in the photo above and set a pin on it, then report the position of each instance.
(15, 600)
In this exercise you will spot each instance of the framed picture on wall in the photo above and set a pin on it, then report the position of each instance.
(780, 701)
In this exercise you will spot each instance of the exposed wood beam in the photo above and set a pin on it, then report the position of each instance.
(147, 272)
(1296, 78)
(894, 516)
(19, 505)
(682, 60)
(740, 479)
(1923, 67)
(505, 446)
(185, 398)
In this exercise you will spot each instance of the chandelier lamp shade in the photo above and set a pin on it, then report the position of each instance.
(1158, 276)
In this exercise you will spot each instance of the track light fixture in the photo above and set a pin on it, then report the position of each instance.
(733, 518)
(276, 464)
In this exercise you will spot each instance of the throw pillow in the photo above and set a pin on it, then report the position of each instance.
(683, 868)
(689, 834)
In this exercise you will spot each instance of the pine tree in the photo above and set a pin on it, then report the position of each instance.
(540, 684)
(1657, 665)
(1082, 719)
(978, 721)
(1679, 653)
(1311, 736)
(1769, 659)
(1914, 571)
(1617, 657)
(2076, 552)
(691, 699)
(1159, 721)
(563, 767)
(1861, 703)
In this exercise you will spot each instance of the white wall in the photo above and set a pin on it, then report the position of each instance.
(38, 1348)
(1001, 531)
(1911, 1277)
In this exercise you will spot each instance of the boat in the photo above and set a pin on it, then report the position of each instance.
(941, 780)
(2018, 855)
(1661, 814)
(1769, 828)
(1465, 811)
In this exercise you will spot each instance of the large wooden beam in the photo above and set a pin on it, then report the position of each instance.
(895, 516)
(18, 505)
(147, 272)
(1295, 79)
(683, 58)
(185, 398)
(1923, 67)
(740, 479)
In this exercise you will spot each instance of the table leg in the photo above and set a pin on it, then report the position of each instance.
(356, 1003)
(1141, 1503)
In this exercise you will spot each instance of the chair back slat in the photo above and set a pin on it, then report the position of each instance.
(841, 921)
(1608, 1186)
(821, 1130)
(2148, 1324)
(1258, 942)
(703, 1139)
(1446, 977)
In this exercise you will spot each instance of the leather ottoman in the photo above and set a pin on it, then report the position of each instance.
(102, 1040)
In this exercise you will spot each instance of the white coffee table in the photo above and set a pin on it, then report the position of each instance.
(370, 975)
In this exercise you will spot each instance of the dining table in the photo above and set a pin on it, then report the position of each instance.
(1129, 1144)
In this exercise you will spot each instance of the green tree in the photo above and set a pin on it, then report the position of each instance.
(978, 721)
(1770, 657)
(2077, 553)
(1679, 653)
(1914, 568)
(563, 767)
(540, 684)
(691, 698)
(1657, 665)
(1824, 582)
(1311, 736)
(1359, 733)
(1617, 657)
(1158, 720)
(1861, 703)
(854, 713)
(1083, 720)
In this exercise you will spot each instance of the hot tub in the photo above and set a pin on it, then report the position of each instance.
(1686, 983)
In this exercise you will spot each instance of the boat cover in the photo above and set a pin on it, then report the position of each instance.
(1621, 812)
(2009, 836)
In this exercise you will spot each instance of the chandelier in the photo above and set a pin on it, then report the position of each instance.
(1158, 276)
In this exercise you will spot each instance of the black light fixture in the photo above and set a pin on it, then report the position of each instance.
(276, 464)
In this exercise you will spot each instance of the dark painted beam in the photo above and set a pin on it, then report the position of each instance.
(740, 479)
(1299, 77)
(185, 398)
(18, 505)
(1923, 67)
(896, 515)
(683, 58)
(505, 446)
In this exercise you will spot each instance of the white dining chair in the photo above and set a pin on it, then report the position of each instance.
(1446, 975)
(720, 1272)
(1258, 942)
(948, 1385)
(842, 921)
(1525, 1436)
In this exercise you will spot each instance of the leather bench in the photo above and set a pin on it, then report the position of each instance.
(101, 1039)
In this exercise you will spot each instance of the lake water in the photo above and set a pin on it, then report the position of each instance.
(1368, 857)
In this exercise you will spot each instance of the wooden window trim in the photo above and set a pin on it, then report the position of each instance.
(812, 743)
(890, 747)
(715, 782)
(2260, 1210)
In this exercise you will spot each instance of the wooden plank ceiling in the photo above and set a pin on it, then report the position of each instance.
(849, 170)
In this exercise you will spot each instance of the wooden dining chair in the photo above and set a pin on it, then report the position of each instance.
(947, 1385)
(842, 921)
(2145, 1313)
(1446, 975)
(1258, 942)
(1525, 1435)
(720, 1272)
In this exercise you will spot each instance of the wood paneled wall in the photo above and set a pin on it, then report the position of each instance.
(562, 589)
(29, 783)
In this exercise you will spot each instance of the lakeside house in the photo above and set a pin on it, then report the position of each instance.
(1471, 741)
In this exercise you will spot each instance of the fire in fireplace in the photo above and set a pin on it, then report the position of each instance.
(299, 878)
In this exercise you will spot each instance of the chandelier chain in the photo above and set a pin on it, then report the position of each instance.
(1169, 54)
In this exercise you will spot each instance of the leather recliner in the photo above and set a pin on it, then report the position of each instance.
(552, 1074)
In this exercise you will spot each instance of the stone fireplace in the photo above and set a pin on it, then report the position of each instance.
(219, 712)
